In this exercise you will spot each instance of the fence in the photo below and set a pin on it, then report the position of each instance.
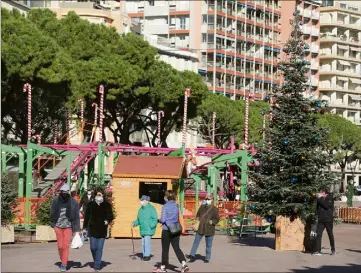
(349, 215)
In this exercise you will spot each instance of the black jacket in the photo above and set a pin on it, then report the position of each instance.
(95, 217)
(325, 208)
(205, 214)
(72, 213)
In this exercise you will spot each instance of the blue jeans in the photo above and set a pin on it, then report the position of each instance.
(197, 240)
(146, 245)
(96, 248)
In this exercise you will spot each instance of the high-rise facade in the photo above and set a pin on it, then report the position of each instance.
(340, 59)
(310, 12)
(237, 42)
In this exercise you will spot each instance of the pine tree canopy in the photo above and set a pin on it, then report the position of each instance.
(294, 164)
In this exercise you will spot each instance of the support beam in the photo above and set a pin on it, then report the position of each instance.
(3, 162)
(197, 181)
(181, 194)
(100, 164)
(21, 175)
(90, 181)
(29, 184)
(70, 160)
(42, 149)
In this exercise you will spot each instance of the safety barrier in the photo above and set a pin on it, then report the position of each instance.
(349, 215)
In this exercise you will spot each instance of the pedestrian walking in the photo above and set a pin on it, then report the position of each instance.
(65, 220)
(99, 215)
(172, 228)
(85, 199)
(207, 219)
(325, 208)
(147, 221)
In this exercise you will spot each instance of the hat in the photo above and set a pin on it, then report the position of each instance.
(65, 187)
(145, 198)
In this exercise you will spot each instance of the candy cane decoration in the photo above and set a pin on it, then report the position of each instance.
(55, 132)
(160, 115)
(38, 138)
(187, 94)
(27, 88)
(214, 130)
(67, 126)
(246, 123)
(81, 112)
(95, 105)
(101, 91)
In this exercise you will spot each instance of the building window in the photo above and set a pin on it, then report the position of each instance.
(155, 190)
(182, 38)
(182, 22)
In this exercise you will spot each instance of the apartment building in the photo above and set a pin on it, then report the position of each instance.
(310, 12)
(340, 60)
(237, 42)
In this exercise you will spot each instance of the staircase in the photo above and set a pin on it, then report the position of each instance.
(58, 176)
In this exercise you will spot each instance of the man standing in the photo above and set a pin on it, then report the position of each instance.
(208, 217)
(325, 207)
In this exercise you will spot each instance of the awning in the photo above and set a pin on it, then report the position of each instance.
(355, 81)
(355, 48)
(355, 97)
(342, 47)
(344, 79)
(344, 63)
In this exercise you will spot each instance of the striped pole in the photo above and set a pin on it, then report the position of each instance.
(95, 105)
(214, 130)
(160, 115)
(187, 94)
(55, 132)
(67, 126)
(82, 116)
(27, 88)
(101, 91)
(246, 123)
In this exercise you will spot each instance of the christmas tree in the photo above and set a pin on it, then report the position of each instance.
(9, 201)
(293, 163)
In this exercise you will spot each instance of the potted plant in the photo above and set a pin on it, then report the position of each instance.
(9, 203)
(44, 231)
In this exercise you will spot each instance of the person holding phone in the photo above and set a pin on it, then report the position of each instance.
(208, 218)
(325, 208)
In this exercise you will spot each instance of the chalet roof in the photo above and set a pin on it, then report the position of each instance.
(166, 167)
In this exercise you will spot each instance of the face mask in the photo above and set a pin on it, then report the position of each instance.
(64, 195)
(89, 192)
(208, 202)
(99, 199)
(143, 203)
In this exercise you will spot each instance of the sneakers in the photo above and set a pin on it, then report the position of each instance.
(333, 252)
(184, 269)
(206, 261)
(159, 269)
(146, 259)
(316, 254)
(190, 258)
(63, 268)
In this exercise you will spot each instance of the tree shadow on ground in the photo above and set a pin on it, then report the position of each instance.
(170, 267)
(351, 268)
(253, 241)
(354, 250)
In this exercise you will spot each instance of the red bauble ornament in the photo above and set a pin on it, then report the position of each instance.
(322, 111)
(261, 132)
(274, 118)
(302, 44)
(300, 196)
(304, 109)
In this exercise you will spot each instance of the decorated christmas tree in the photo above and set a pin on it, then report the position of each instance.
(293, 163)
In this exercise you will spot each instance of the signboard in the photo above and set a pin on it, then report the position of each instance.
(126, 184)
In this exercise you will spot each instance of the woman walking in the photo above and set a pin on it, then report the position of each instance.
(171, 220)
(65, 220)
(99, 215)
(147, 219)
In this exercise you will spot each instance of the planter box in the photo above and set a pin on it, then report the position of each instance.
(7, 234)
(45, 233)
(290, 235)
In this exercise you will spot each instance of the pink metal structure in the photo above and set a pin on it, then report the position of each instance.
(27, 88)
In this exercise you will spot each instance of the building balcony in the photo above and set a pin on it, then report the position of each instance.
(340, 38)
(314, 81)
(315, 48)
(315, 32)
(156, 29)
(306, 13)
(306, 29)
(156, 11)
(315, 15)
(314, 64)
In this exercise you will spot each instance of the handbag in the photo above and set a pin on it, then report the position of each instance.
(197, 222)
(175, 228)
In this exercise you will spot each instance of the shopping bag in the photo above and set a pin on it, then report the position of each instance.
(76, 242)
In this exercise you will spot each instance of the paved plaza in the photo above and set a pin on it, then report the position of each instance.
(252, 255)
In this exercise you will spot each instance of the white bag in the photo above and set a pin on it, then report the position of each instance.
(76, 242)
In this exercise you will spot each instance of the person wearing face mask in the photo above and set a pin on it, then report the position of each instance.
(147, 221)
(171, 216)
(99, 215)
(84, 201)
(208, 218)
(65, 220)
